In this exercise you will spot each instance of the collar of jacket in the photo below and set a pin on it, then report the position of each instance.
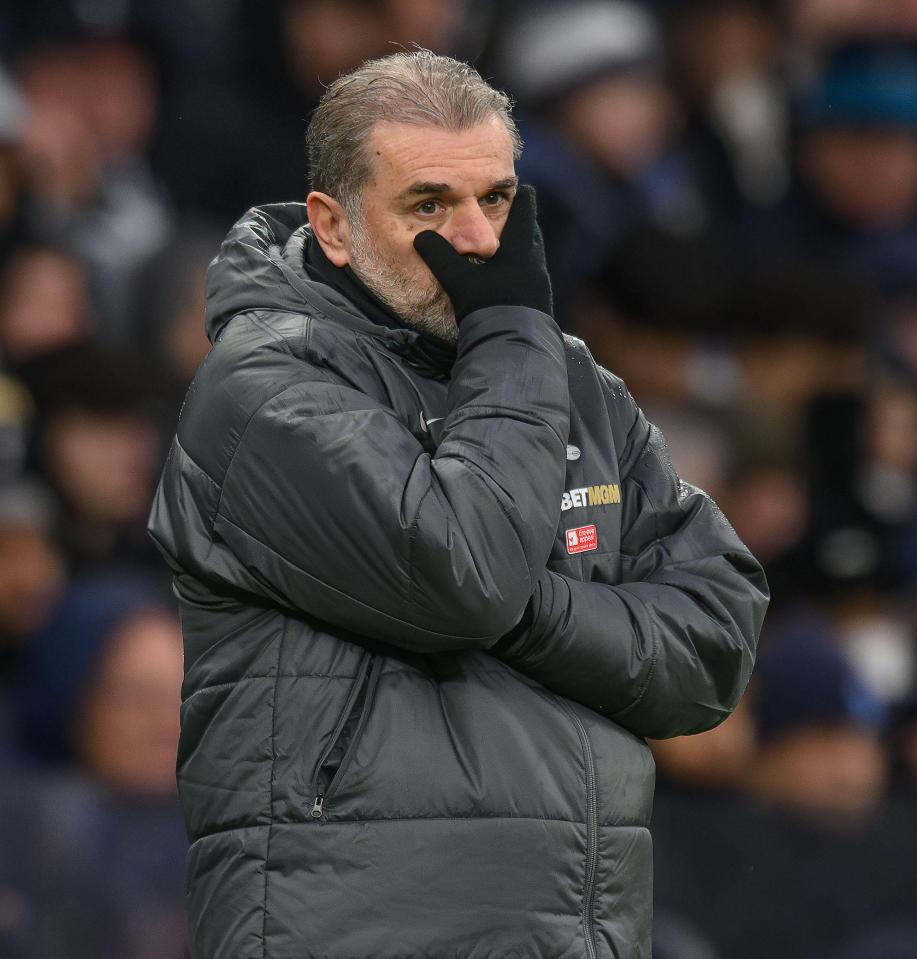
(266, 262)
(425, 352)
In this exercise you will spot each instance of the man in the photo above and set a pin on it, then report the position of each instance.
(437, 576)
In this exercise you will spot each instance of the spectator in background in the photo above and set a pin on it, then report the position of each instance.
(815, 858)
(859, 149)
(856, 200)
(45, 307)
(45, 303)
(819, 725)
(727, 65)
(114, 709)
(765, 492)
(859, 544)
(92, 862)
(97, 444)
(93, 103)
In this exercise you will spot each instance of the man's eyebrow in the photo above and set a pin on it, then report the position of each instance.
(428, 188)
(424, 188)
(510, 183)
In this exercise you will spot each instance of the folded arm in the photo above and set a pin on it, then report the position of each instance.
(669, 650)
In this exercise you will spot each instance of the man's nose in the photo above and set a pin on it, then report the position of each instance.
(471, 232)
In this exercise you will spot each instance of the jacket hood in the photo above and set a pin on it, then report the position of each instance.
(260, 267)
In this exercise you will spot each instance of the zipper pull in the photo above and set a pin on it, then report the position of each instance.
(318, 807)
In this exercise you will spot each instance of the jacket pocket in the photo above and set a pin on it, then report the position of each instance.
(334, 760)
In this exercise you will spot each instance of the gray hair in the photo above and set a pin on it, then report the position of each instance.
(417, 87)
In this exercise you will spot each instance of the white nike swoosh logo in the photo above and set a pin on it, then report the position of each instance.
(424, 423)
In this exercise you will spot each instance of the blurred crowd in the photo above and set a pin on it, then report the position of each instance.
(728, 194)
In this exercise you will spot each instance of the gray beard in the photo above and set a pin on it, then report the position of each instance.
(427, 309)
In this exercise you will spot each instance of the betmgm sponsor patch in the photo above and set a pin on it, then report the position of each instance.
(604, 494)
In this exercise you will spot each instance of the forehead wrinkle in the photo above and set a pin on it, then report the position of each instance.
(415, 149)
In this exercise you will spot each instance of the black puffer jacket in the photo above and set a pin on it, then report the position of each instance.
(353, 524)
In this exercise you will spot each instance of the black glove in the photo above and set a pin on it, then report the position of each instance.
(516, 275)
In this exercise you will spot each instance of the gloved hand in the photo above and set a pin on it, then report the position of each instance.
(516, 275)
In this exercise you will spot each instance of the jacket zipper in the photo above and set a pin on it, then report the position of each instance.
(591, 834)
(357, 702)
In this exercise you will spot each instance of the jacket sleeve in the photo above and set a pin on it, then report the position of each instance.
(332, 507)
(669, 650)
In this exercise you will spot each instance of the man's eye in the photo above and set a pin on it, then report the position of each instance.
(493, 199)
(428, 208)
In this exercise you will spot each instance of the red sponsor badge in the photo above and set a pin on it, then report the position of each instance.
(582, 540)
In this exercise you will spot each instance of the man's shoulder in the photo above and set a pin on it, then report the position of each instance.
(259, 356)
(264, 357)
(256, 354)
(592, 384)
(261, 352)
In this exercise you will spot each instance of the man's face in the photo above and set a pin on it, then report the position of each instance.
(424, 178)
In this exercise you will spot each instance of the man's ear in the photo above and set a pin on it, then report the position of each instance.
(331, 226)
